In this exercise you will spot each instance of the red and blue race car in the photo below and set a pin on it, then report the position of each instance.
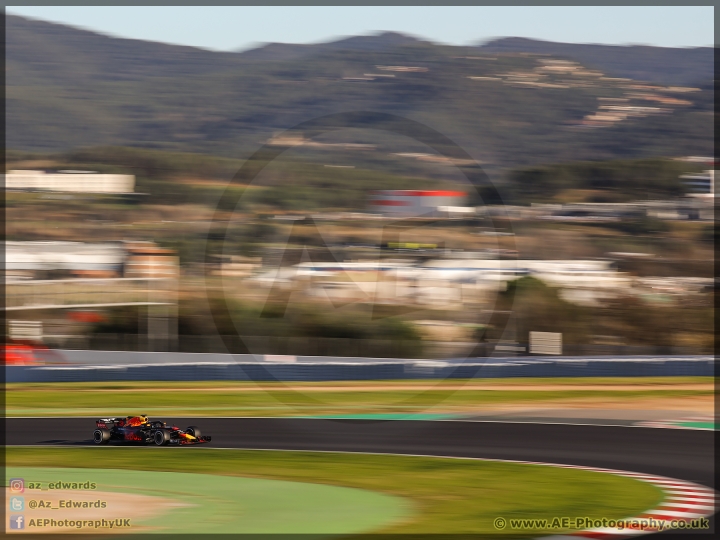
(141, 430)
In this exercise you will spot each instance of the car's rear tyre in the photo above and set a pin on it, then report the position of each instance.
(161, 437)
(101, 436)
(194, 431)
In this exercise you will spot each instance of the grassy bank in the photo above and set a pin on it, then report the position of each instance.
(446, 495)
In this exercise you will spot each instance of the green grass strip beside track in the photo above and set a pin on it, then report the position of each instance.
(697, 425)
(441, 495)
(227, 504)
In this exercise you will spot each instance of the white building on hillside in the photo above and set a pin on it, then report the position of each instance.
(446, 281)
(702, 184)
(69, 181)
(415, 203)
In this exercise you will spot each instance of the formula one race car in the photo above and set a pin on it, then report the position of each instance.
(140, 429)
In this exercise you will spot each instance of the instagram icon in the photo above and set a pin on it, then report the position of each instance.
(17, 485)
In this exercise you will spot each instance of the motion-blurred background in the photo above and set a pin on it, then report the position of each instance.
(590, 233)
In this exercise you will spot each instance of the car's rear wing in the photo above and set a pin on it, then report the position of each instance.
(107, 422)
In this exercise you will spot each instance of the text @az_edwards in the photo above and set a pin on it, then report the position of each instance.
(633, 524)
(79, 486)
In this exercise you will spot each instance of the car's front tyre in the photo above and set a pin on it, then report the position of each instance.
(161, 437)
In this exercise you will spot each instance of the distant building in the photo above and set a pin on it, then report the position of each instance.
(69, 181)
(62, 260)
(415, 203)
(69, 285)
(147, 260)
(585, 282)
(700, 184)
(40, 260)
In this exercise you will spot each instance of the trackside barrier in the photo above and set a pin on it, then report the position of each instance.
(366, 369)
(113, 358)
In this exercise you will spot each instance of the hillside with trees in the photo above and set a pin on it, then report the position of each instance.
(68, 88)
(661, 65)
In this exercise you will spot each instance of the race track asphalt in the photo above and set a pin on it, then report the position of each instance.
(677, 453)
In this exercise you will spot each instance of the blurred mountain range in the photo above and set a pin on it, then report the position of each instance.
(284, 51)
(509, 102)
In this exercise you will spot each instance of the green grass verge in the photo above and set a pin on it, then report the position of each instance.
(446, 495)
(211, 504)
(230, 398)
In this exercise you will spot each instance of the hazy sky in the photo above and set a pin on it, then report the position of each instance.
(233, 28)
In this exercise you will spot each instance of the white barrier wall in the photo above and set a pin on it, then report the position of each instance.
(246, 367)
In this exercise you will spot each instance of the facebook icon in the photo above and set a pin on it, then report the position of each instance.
(17, 522)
